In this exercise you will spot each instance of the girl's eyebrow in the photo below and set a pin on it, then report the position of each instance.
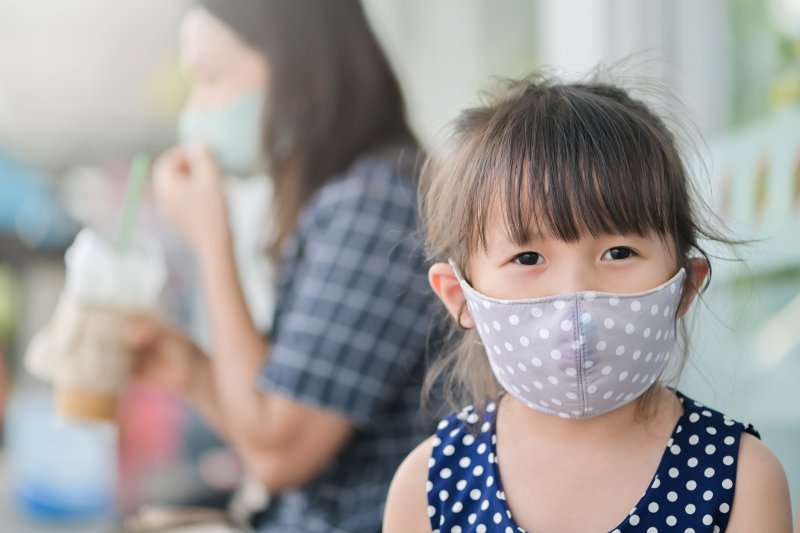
(503, 241)
(627, 236)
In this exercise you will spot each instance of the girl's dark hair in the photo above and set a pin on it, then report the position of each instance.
(567, 160)
(332, 94)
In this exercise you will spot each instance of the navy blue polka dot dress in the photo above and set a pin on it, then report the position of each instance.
(691, 491)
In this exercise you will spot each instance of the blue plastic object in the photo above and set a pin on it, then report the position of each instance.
(60, 470)
(29, 207)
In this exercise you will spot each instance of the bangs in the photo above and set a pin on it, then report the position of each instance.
(573, 162)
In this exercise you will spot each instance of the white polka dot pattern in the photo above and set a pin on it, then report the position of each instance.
(680, 497)
(578, 355)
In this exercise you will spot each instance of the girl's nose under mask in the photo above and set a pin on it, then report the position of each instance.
(582, 354)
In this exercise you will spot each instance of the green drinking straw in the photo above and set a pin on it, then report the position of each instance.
(137, 176)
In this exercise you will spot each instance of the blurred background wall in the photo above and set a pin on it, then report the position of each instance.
(85, 84)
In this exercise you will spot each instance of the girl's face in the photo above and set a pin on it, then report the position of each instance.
(546, 266)
(221, 67)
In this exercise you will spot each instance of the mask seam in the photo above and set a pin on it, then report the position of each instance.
(581, 357)
(580, 294)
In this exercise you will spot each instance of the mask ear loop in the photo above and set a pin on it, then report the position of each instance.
(463, 306)
(461, 310)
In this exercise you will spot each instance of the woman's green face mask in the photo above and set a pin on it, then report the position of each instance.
(233, 132)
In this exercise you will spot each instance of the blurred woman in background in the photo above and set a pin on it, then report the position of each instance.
(323, 408)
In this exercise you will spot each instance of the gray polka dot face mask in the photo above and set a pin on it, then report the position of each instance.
(581, 354)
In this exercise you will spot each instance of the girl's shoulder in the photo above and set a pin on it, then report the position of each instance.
(462, 481)
(432, 465)
(761, 500)
(718, 468)
(406, 505)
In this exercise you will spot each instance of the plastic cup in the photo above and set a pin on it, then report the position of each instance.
(81, 350)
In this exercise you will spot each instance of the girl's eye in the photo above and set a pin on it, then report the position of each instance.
(618, 253)
(529, 258)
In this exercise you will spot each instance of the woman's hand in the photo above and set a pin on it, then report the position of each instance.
(163, 356)
(188, 189)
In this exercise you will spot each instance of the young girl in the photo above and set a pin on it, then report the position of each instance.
(568, 248)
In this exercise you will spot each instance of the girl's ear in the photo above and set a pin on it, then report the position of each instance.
(695, 278)
(445, 284)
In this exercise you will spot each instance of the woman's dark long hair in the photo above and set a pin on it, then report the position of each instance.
(332, 95)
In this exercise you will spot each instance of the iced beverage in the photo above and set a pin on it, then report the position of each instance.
(81, 351)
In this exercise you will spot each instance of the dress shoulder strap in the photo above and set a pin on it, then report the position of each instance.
(461, 453)
(701, 461)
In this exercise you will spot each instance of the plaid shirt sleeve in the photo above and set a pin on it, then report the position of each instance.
(353, 302)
